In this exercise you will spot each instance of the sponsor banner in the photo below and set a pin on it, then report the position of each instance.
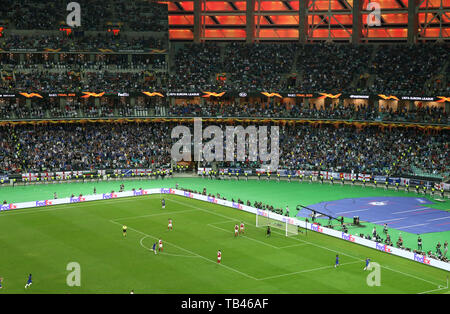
(183, 94)
(167, 191)
(7, 207)
(359, 96)
(140, 192)
(421, 98)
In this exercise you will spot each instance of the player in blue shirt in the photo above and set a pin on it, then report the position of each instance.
(367, 263)
(29, 282)
(154, 248)
(337, 261)
(1, 281)
(163, 203)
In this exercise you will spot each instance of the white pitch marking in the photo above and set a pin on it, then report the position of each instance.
(183, 249)
(160, 214)
(353, 211)
(408, 211)
(293, 245)
(374, 222)
(164, 253)
(272, 246)
(406, 227)
(307, 270)
(438, 289)
(438, 218)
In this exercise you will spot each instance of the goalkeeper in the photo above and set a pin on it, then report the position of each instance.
(268, 232)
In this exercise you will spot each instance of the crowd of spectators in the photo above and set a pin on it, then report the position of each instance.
(258, 66)
(407, 69)
(329, 68)
(336, 111)
(339, 68)
(82, 42)
(371, 150)
(216, 109)
(327, 147)
(84, 146)
(138, 15)
(52, 109)
(195, 67)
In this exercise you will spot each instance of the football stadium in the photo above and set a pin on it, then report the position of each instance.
(224, 147)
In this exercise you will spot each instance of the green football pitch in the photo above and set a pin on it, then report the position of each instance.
(43, 241)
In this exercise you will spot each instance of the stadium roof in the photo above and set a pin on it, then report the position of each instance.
(326, 20)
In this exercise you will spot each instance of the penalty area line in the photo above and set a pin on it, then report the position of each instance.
(307, 271)
(163, 253)
(270, 245)
(152, 215)
(438, 289)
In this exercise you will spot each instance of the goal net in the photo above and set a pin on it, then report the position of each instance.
(263, 220)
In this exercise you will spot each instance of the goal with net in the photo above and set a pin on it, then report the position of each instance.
(263, 219)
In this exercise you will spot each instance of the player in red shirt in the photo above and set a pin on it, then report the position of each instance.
(241, 230)
(219, 256)
(236, 230)
(160, 245)
(169, 227)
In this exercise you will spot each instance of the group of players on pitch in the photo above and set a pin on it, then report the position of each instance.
(160, 243)
(238, 230)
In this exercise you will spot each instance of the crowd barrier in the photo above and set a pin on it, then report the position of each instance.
(294, 221)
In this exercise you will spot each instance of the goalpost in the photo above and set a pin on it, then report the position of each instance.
(263, 220)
